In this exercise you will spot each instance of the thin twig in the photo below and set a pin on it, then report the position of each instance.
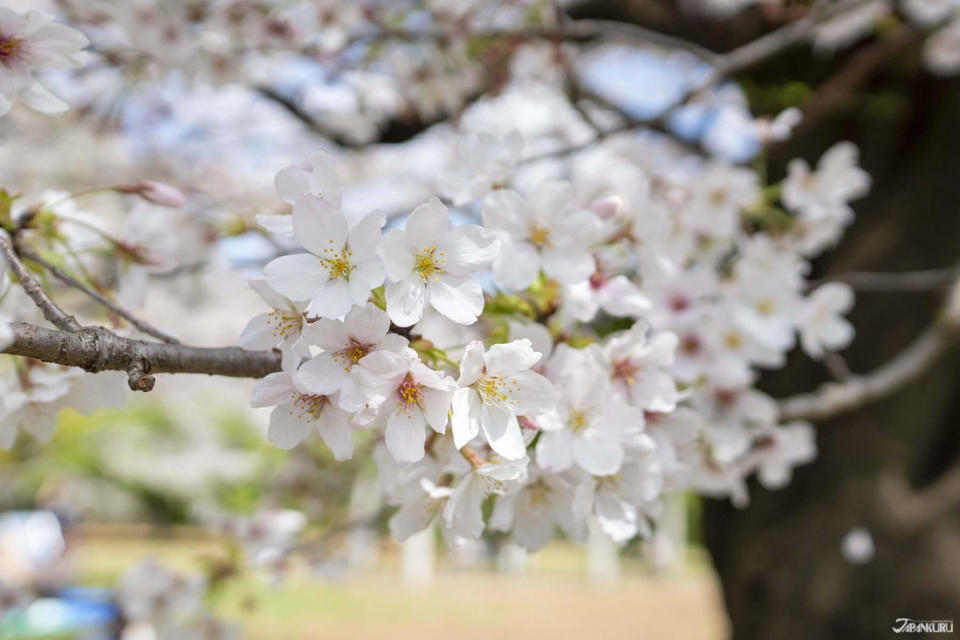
(53, 313)
(724, 65)
(69, 280)
(894, 281)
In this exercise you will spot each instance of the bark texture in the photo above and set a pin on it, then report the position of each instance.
(880, 466)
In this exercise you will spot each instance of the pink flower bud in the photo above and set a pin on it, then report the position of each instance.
(607, 207)
(156, 192)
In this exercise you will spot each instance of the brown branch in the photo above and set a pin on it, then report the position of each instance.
(98, 349)
(69, 280)
(53, 313)
(858, 69)
(895, 282)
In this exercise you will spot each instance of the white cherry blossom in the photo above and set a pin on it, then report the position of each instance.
(405, 396)
(639, 363)
(29, 43)
(495, 388)
(300, 410)
(341, 267)
(544, 503)
(587, 427)
(462, 514)
(836, 181)
(364, 330)
(822, 325)
(318, 179)
(427, 262)
(281, 327)
(543, 231)
(486, 163)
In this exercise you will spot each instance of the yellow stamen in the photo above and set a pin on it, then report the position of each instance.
(429, 263)
(540, 236)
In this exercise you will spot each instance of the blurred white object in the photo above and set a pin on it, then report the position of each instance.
(603, 557)
(31, 542)
(418, 559)
(857, 546)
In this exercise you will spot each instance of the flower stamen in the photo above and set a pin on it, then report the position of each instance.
(429, 263)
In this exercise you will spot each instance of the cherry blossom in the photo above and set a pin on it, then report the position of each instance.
(362, 331)
(405, 396)
(495, 387)
(33, 42)
(427, 262)
(341, 267)
(462, 514)
(281, 327)
(587, 427)
(299, 410)
(543, 231)
(822, 326)
(487, 162)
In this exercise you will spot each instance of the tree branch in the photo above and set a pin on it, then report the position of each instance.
(723, 65)
(892, 281)
(69, 280)
(54, 314)
(97, 349)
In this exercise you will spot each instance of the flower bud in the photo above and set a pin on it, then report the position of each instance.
(156, 192)
(607, 207)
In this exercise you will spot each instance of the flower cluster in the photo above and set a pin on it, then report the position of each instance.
(608, 357)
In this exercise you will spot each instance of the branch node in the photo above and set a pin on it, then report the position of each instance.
(139, 377)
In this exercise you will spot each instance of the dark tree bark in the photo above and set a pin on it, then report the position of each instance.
(779, 560)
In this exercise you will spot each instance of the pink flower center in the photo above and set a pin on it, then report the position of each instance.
(411, 393)
(308, 406)
(11, 48)
(625, 370)
(354, 351)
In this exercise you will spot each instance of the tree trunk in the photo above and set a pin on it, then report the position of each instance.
(779, 560)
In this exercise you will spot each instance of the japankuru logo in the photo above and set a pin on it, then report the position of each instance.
(908, 625)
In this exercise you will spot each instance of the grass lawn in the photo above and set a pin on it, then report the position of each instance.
(551, 600)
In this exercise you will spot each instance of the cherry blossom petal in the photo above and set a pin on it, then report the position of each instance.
(465, 422)
(471, 364)
(597, 455)
(406, 435)
(517, 265)
(298, 276)
(274, 389)
(259, 334)
(469, 248)
(405, 300)
(510, 358)
(320, 227)
(502, 431)
(332, 299)
(336, 432)
(460, 300)
(398, 259)
(427, 225)
(287, 429)
(566, 266)
(322, 375)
